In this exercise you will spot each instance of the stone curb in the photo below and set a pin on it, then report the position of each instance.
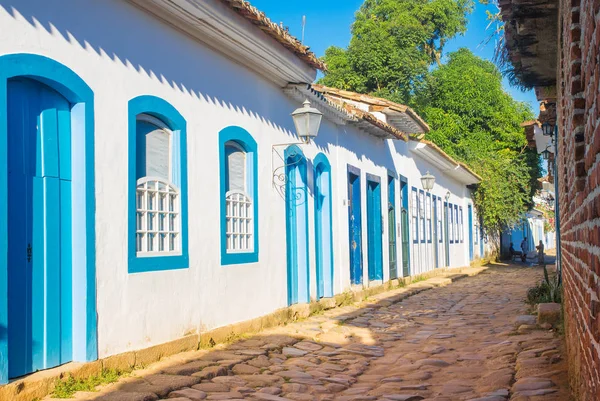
(40, 384)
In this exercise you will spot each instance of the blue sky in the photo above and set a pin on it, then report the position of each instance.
(328, 23)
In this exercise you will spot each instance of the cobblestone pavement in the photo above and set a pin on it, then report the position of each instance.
(458, 342)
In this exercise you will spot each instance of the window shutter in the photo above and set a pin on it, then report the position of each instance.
(153, 158)
(236, 169)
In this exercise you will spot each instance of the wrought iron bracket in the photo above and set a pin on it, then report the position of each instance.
(280, 179)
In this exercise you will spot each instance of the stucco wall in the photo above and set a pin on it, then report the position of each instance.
(122, 52)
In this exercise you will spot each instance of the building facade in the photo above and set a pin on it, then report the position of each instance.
(154, 185)
(554, 47)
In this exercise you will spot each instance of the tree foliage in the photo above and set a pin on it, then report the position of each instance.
(393, 45)
(474, 120)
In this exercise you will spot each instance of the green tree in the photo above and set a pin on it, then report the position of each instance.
(473, 119)
(393, 45)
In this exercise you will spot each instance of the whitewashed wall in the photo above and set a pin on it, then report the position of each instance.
(122, 52)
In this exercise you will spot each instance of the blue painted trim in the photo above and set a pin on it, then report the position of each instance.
(373, 178)
(77, 92)
(247, 142)
(356, 271)
(318, 161)
(457, 233)
(354, 170)
(165, 112)
(451, 224)
(295, 151)
(462, 225)
(422, 219)
(428, 195)
(416, 216)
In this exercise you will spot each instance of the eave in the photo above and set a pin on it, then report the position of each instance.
(397, 115)
(342, 113)
(218, 26)
(433, 154)
(530, 40)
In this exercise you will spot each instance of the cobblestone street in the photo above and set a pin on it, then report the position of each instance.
(455, 342)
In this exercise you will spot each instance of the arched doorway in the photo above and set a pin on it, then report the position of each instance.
(323, 227)
(47, 269)
(296, 210)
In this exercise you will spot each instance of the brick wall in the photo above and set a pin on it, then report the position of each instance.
(578, 173)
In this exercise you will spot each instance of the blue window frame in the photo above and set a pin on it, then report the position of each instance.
(440, 214)
(456, 225)
(158, 210)
(238, 166)
(422, 208)
(451, 230)
(428, 216)
(414, 205)
(462, 227)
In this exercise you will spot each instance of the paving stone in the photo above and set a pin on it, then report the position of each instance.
(403, 397)
(159, 384)
(270, 390)
(308, 346)
(211, 387)
(188, 368)
(243, 369)
(432, 362)
(127, 396)
(225, 396)
(190, 393)
(210, 372)
(291, 351)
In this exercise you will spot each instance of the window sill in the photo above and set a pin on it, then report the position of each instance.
(238, 258)
(158, 263)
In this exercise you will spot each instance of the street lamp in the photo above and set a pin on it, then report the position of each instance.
(427, 181)
(547, 129)
(307, 120)
(546, 154)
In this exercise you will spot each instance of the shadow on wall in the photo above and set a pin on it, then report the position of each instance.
(136, 40)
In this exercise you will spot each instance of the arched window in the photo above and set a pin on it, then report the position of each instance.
(158, 186)
(239, 211)
(239, 200)
(157, 205)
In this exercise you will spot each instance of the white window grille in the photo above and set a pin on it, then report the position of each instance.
(158, 219)
(240, 229)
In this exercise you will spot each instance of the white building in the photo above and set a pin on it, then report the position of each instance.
(151, 187)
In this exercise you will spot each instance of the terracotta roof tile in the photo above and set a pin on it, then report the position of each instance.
(280, 34)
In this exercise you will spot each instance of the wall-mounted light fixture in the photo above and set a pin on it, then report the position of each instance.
(547, 129)
(546, 153)
(428, 181)
(307, 121)
(447, 196)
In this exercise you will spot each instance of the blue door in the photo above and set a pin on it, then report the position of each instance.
(374, 232)
(39, 226)
(355, 226)
(447, 229)
(436, 234)
(296, 206)
(323, 227)
(470, 217)
(393, 258)
(405, 228)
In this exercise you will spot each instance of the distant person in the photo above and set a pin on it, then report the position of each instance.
(512, 249)
(540, 249)
(524, 249)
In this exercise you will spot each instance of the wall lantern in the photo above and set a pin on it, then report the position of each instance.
(427, 181)
(547, 129)
(546, 154)
(307, 120)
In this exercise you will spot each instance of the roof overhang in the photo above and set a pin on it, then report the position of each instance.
(215, 24)
(341, 113)
(530, 39)
(432, 154)
(399, 116)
